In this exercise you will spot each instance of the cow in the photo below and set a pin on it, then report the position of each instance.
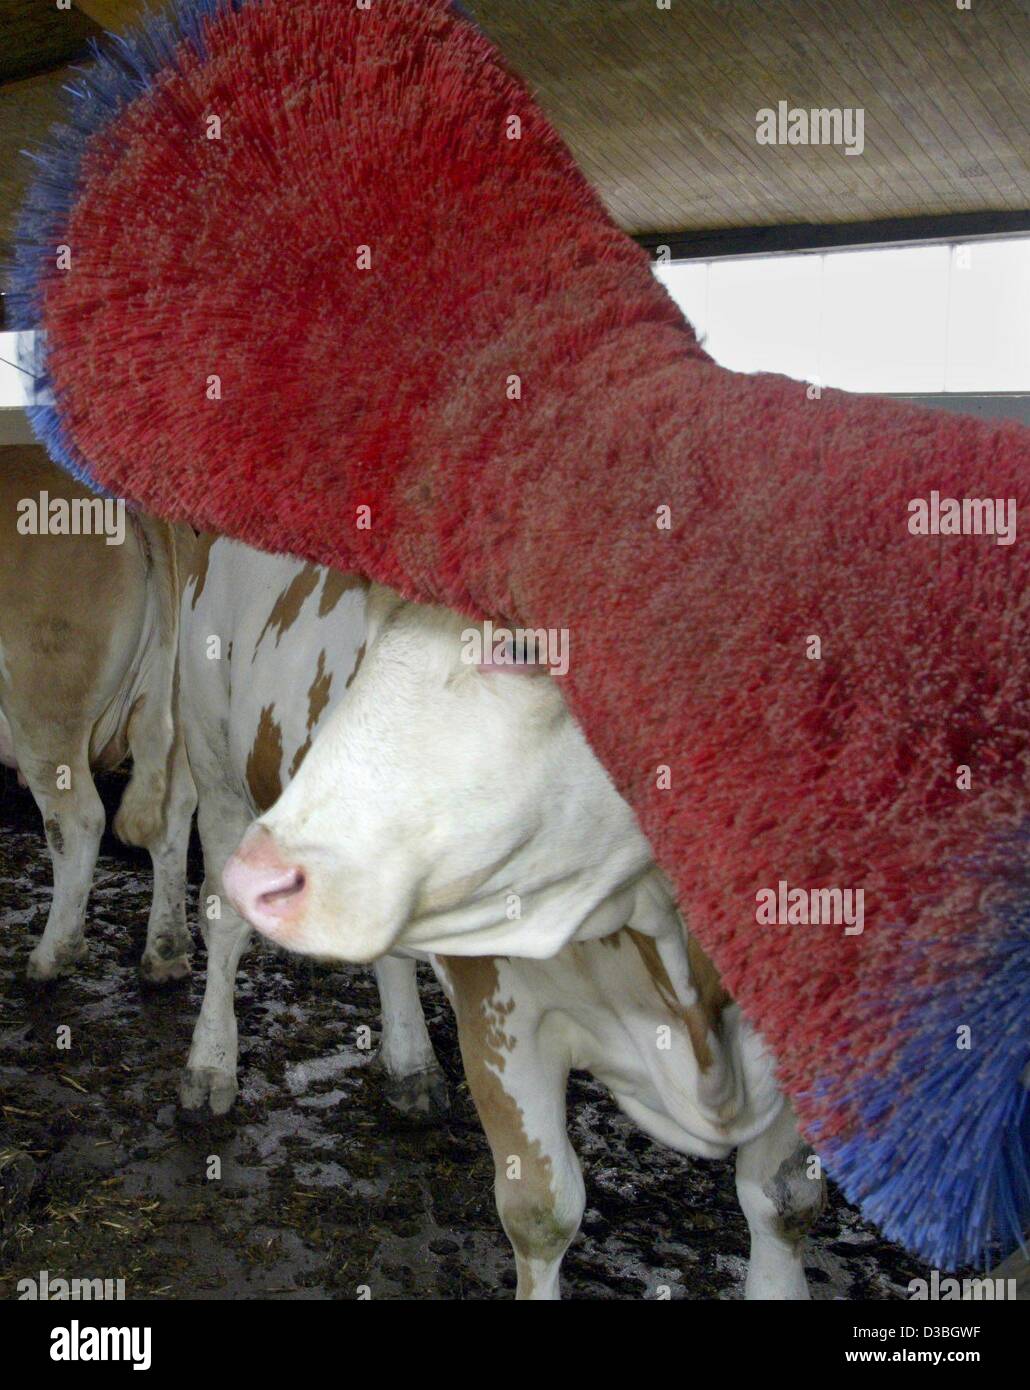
(268, 649)
(88, 640)
(456, 808)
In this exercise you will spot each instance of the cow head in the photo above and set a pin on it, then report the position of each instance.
(448, 804)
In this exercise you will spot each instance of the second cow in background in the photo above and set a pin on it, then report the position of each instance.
(88, 632)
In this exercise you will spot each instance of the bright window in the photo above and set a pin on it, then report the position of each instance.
(16, 383)
(931, 319)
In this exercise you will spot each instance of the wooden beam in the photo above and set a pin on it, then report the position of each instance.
(38, 38)
(811, 236)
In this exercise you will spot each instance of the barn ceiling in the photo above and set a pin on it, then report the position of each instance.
(659, 105)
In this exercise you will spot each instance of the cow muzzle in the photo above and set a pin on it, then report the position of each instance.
(269, 892)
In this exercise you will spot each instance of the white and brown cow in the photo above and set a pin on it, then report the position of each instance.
(88, 635)
(459, 811)
(268, 649)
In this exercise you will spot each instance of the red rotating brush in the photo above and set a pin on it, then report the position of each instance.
(309, 244)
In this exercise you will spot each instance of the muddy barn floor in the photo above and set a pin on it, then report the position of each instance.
(322, 1188)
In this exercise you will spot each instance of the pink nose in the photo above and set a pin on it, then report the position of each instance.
(261, 886)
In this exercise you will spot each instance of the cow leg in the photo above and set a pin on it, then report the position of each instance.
(416, 1085)
(781, 1202)
(210, 1076)
(166, 955)
(73, 818)
(517, 1075)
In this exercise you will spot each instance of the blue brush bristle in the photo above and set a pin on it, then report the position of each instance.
(124, 67)
(942, 1162)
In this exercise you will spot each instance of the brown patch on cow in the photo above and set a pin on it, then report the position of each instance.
(707, 981)
(526, 1203)
(264, 761)
(287, 606)
(359, 658)
(699, 1019)
(318, 698)
(476, 982)
(335, 586)
(298, 757)
(199, 559)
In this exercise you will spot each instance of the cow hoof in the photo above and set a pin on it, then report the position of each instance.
(421, 1096)
(158, 972)
(207, 1088)
(43, 967)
